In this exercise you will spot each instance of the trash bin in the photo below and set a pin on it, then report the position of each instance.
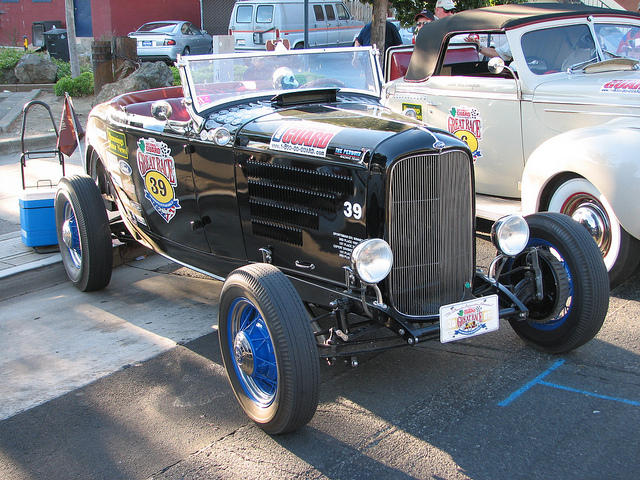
(57, 43)
(38, 29)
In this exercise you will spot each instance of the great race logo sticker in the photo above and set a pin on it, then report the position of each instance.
(305, 138)
(466, 124)
(158, 170)
(621, 86)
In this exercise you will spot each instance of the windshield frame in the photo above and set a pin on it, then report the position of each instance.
(189, 66)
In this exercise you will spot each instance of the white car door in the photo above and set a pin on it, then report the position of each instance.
(484, 110)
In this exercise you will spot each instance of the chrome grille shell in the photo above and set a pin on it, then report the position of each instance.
(431, 231)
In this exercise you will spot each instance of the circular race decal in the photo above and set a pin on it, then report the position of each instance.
(159, 188)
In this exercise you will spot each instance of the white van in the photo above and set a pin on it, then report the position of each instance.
(254, 22)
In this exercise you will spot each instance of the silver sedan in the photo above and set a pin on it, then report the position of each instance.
(165, 40)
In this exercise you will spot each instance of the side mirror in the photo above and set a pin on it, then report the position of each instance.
(161, 110)
(496, 65)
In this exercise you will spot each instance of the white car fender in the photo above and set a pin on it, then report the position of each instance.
(605, 155)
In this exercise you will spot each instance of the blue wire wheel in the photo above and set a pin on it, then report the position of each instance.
(254, 358)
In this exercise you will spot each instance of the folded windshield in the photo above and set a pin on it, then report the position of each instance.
(215, 78)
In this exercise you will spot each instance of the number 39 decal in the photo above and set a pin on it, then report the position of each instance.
(352, 210)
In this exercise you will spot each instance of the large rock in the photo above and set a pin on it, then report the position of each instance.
(36, 69)
(149, 75)
(8, 75)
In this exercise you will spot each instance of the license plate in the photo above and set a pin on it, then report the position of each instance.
(240, 41)
(469, 318)
(147, 43)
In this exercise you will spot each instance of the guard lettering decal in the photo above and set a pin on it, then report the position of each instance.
(621, 86)
(158, 170)
(466, 124)
(305, 138)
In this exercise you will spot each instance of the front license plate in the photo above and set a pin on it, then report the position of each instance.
(147, 43)
(469, 318)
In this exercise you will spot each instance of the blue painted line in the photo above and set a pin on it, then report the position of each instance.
(533, 382)
(569, 389)
(539, 381)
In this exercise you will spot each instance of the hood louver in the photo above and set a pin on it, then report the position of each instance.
(284, 199)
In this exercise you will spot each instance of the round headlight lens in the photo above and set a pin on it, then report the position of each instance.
(371, 260)
(510, 234)
(221, 136)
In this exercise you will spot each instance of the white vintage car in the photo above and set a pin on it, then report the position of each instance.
(551, 112)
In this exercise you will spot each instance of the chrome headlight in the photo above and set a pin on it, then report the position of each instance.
(221, 136)
(510, 234)
(371, 260)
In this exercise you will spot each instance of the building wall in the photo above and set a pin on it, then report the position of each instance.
(17, 17)
(116, 18)
(109, 17)
(216, 15)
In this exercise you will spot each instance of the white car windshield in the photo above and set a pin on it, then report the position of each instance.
(619, 40)
(212, 79)
(557, 49)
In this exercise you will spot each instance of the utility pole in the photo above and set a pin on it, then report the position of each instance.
(71, 38)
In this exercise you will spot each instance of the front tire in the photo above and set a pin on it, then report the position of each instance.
(268, 348)
(583, 202)
(567, 244)
(83, 231)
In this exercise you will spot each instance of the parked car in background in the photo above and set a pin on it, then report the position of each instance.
(165, 40)
(338, 226)
(557, 129)
(405, 33)
(254, 22)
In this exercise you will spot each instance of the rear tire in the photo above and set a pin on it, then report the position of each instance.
(83, 231)
(588, 296)
(268, 348)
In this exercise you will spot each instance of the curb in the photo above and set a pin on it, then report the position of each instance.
(35, 142)
(13, 106)
(123, 253)
(25, 87)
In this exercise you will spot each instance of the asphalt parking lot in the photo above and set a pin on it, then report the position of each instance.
(132, 387)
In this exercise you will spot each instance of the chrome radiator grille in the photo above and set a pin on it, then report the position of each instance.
(430, 231)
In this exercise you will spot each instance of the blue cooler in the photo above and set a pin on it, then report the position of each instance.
(37, 217)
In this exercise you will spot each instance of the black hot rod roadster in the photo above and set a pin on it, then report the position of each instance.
(337, 226)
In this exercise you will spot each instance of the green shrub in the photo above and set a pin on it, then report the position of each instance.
(9, 57)
(76, 87)
(64, 68)
(176, 76)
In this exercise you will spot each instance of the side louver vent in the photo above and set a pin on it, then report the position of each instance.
(277, 232)
(284, 199)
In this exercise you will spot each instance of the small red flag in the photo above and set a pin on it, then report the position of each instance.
(71, 131)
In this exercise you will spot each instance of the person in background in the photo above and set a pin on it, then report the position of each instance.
(445, 8)
(391, 37)
(504, 51)
(422, 18)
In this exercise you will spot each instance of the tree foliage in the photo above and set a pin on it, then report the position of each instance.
(407, 9)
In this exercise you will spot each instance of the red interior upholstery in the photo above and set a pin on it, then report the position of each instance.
(139, 103)
(461, 55)
(399, 64)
